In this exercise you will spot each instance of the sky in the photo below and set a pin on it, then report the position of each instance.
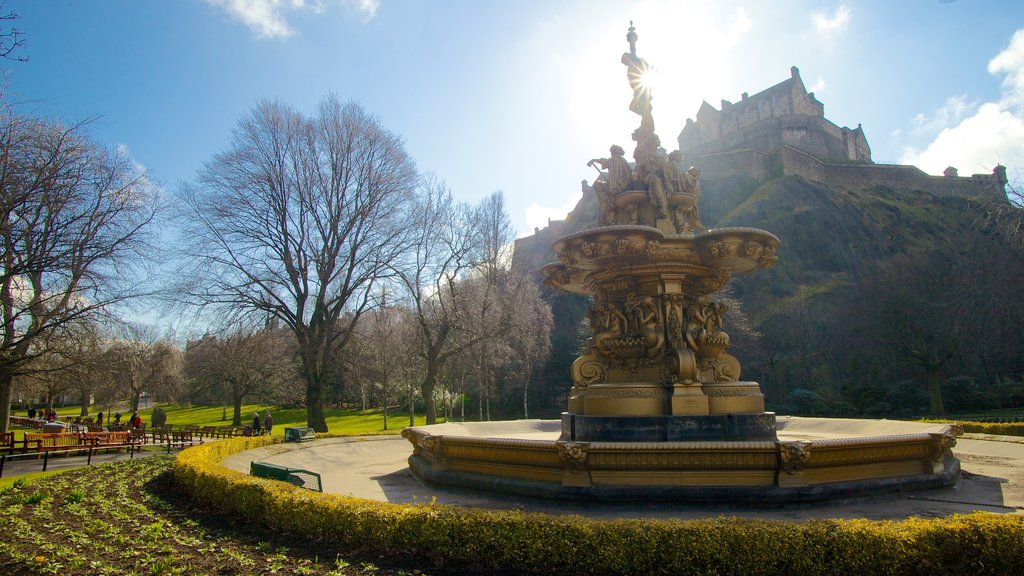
(518, 96)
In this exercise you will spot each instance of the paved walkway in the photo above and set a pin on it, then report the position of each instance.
(375, 467)
(30, 464)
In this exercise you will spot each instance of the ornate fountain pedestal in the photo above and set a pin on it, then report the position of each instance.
(656, 367)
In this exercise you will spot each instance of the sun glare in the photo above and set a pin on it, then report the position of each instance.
(685, 68)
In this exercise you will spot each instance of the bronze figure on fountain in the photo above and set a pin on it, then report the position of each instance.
(658, 346)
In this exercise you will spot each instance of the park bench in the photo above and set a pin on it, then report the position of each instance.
(209, 432)
(299, 434)
(8, 445)
(58, 442)
(181, 438)
(297, 476)
(109, 440)
(160, 434)
(23, 422)
(138, 435)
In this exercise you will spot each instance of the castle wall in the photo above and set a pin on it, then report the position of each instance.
(742, 162)
(787, 160)
(790, 161)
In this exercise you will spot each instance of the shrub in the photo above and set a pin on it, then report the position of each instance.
(159, 417)
(537, 543)
(995, 428)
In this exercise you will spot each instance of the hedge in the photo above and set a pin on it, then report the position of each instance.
(996, 428)
(534, 543)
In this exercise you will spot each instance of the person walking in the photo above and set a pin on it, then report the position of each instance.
(268, 423)
(255, 423)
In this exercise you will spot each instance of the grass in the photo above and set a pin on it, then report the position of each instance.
(339, 420)
(125, 518)
(8, 481)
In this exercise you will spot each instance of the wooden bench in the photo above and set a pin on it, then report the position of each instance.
(58, 442)
(138, 435)
(8, 445)
(109, 440)
(181, 438)
(161, 435)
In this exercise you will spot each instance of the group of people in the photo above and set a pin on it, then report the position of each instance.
(134, 422)
(115, 423)
(261, 425)
(48, 415)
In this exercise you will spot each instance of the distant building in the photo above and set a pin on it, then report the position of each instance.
(782, 131)
(783, 114)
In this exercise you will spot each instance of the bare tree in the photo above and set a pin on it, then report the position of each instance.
(144, 362)
(10, 37)
(80, 351)
(73, 222)
(443, 250)
(297, 220)
(243, 364)
(384, 358)
(529, 333)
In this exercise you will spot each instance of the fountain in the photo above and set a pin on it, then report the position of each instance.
(657, 408)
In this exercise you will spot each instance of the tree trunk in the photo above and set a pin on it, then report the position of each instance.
(412, 406)
(6, 384)
(427, 389)
(315, 418)
(85, 404)
(526, 388)
(934, 391)
(236, 410)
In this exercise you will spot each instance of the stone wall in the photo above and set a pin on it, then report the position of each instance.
(787, 160)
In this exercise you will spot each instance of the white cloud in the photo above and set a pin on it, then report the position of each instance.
(269, 18)
(952, 112)
(1011, 62)
(537, 216)
(829, 25)
(819, 86)
(368, 8)
(991, 134)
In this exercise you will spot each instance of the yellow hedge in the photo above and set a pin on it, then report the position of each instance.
(997, 428)
(974, 544)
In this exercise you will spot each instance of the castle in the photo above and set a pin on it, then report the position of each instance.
(782, 131)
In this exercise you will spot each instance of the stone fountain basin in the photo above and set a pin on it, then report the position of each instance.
(813, 459)
(627, 252)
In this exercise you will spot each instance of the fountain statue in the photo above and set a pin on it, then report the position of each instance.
(656, 366)
(657, 409)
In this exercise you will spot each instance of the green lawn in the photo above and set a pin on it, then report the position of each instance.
(7, 481)
(341, 421)
(338, 421)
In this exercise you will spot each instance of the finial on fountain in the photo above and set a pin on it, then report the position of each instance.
(636, 67)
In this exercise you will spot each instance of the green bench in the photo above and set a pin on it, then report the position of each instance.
(299, 434)
(284, 474)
